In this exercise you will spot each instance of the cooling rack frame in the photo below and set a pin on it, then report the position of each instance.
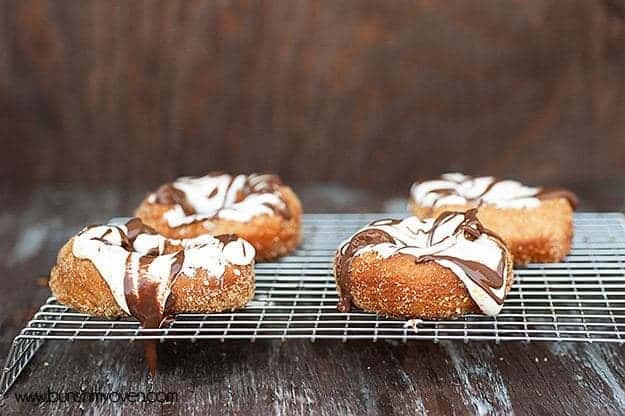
(581, 299)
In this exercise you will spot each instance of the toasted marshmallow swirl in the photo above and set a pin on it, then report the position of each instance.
(140, 266)
(236, 198)
(459, 189)
(456, 241)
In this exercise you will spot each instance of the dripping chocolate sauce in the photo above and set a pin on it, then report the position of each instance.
(170, 195)
(483, 276)
(142, 296)
(142, 300)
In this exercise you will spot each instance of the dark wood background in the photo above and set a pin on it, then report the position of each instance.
(350, 101)
(364, 93)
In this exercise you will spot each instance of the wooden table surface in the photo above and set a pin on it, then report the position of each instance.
(293, 377)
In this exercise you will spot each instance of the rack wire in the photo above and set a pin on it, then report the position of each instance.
(581, 299)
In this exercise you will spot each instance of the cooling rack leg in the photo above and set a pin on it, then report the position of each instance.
(21, 352)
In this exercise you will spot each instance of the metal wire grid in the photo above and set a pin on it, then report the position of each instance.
(582, 299)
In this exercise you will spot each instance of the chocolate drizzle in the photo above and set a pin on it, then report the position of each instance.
(142, 287)
(227, 238)
(483, 276)
(442, 219)
(458, 179)
(134, 227)
(142, 297)
(142, 293)
(254, 184)
(169, 194)
(470, 228)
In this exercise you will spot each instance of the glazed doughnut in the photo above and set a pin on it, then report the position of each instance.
(258, 208)
(536, 223)
(126, 268)
(431, 269)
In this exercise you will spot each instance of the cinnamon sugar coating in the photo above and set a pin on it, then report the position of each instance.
(78, 284)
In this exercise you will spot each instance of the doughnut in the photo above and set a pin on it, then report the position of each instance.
(430, 269)
(126, 268)
(535, 222)
(257, 208)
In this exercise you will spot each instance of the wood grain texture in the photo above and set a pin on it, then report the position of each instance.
(273, 377)
(365, 93)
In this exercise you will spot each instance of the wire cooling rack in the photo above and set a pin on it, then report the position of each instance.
(582, 299)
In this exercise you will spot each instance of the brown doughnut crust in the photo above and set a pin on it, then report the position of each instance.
(542, 234)
(78, 284)
(402, 288)
(271, 235)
